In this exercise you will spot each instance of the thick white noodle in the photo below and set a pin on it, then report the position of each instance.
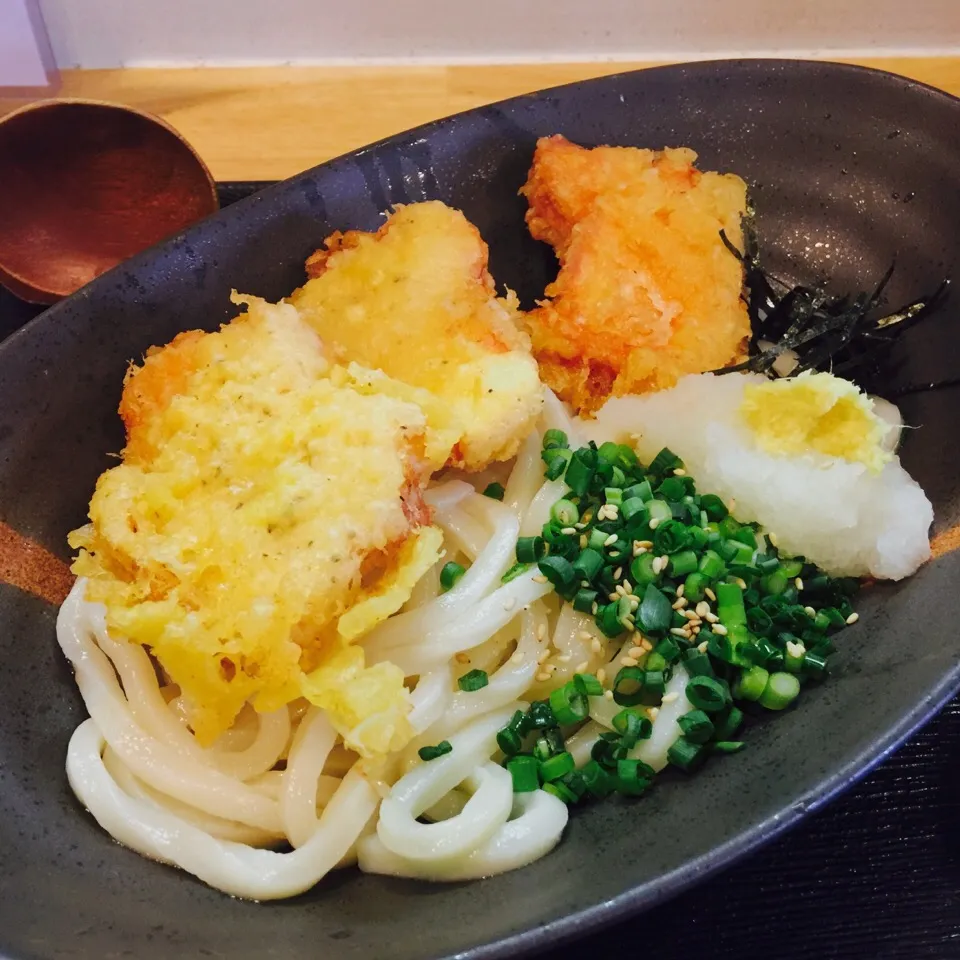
(538, 513)
(237, 869)
(666, 730)
(427, 783)
(431, 698)
(536, 824)
(312, 744)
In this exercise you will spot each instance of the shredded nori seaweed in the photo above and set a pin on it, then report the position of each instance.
(846, 335)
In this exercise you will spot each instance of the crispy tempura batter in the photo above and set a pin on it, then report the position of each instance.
(266, 514)
(415, 300)
(646, 292)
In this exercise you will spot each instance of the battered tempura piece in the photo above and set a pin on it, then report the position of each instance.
(265, 514)
(415, 301)
(646, 292)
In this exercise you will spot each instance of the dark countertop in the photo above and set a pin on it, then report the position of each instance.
(873, 876)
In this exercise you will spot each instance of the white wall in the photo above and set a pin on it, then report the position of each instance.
(108, 33)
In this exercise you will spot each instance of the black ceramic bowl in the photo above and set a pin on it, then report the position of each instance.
(849, 169)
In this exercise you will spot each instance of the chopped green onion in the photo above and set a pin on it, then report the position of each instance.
(568, 704)
(655, 610)
(609, 619)
(530, 549)
(565, 513)
(494, 491)
(697, 727)
(728, 723)
(668, 649)
(515, 572)
(694, 587)
(509, 741)
(598, 782)
(581, 469)
(525, 772)
(715, 509)
(633, 509)
(707, 694)
(814, 664)
(555, 438)
(584, 599)
(640, 491)
(641, 569)
(628, 686)
(632, 726)
(556, 461)
(450, 573)
(613, 495)
(588, 684)
(686, 755)
(752, 683)
(682, 563)
(659, 510)
(431, 753)
(558, 571)
(728, 746)
(540, 716)
(665, 460)
(697, 664)
(557, 766)
(774, 583)
(711, 565)
(588, 564)
(655, 661)
(654, 684)
(561, 791)
(596, 540)
(474, 680)
(632, 778)
(791, 568)
(780, 692)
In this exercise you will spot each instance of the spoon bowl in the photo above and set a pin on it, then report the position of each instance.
(86, 184)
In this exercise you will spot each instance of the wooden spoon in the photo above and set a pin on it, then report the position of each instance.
(86, 184)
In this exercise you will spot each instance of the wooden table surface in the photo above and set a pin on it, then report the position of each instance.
(267, 123)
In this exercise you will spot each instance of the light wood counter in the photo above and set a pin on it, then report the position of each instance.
(266, 123)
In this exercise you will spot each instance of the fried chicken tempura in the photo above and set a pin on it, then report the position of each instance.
(647, 291)
(415, 301)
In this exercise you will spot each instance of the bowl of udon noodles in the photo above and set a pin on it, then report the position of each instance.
(488, 533)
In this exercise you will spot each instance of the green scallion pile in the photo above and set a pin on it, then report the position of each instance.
(639, 549)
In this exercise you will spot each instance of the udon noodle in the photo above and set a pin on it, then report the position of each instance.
(228, 813)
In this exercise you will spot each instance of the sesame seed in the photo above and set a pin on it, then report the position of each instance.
(539, 578)
(541, 631)
(639, 551)
(653, 712)
(583, 541)
(509, 603)
(607, 694)
(579, 526)
(678, 631)
(581, 667)
(618, 573)
(543, 656)
(798, 583)
(654, 523)
(596, 646)
(690, 614)
(517, 657)
(679, 472)
(618, 589)
(680, 589)
(670, 697)
(585, 635)
(601, 675)
(566, 658)
(629, 624)
(542, 677)
(584, 583)
(627, 588)
(657, 565)
(732, 505)
(741, 583)
(711, 594)
(853, 618)
(720, 628)
(695, 629)
(711, 617)
(611, 540)
(462, 658)
(594, 607)
(647, 645)
(664, 560)
(809, 611)
(612, 511)
(645, 543)
(629, 661)
(796, 650)
(703, 646)
(635, 652)
(612, 597)
(568, 531)
(772, 537)
(702, 608)
(634, 601)
(680, 604)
